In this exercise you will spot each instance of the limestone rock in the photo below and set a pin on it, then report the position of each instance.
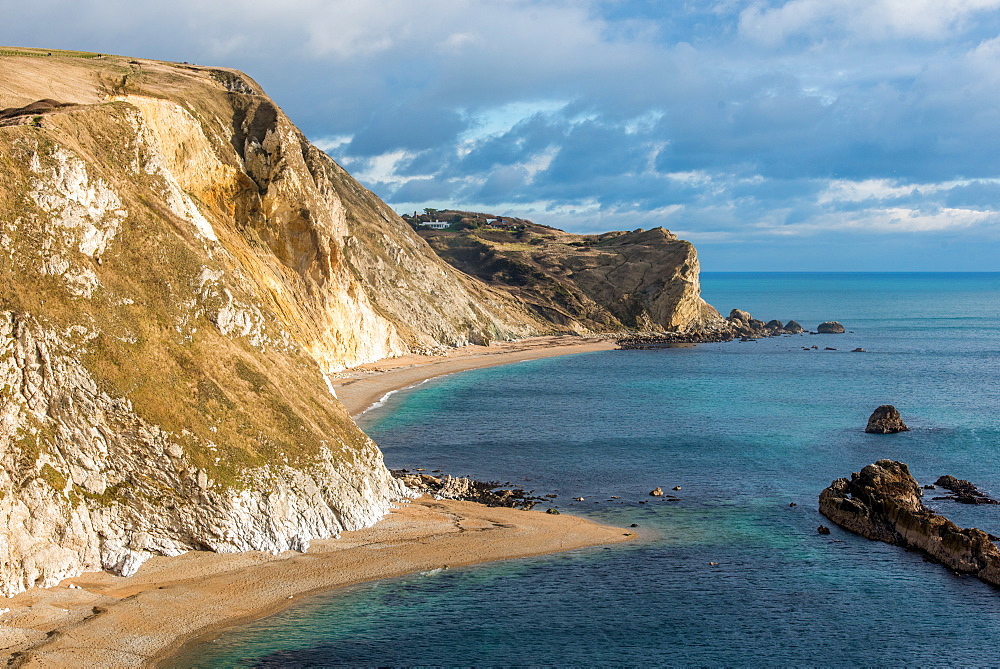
(181, 271)
(830, 327)
(489, 493)
(883, 502)
(739, 315)
(885, 420)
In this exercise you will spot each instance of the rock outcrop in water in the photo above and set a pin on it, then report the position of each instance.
(739, 325)
(830, 327)
(965, 492)
(883, 502)
(885, 420)
(490, 493)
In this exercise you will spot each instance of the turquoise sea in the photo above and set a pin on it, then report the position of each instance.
(745, 429)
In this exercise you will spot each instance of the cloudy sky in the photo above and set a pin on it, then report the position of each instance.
(776, 135)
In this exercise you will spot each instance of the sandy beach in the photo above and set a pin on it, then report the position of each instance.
(360, 387)
(99, 620)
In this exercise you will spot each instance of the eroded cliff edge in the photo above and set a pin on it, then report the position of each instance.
(643, 280)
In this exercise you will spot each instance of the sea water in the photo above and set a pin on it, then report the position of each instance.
(732, 574)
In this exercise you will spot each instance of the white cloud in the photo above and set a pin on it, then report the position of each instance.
(899, 220)
(859, 191)
(863, 20)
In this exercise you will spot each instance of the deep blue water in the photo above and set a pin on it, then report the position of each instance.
(745, 429)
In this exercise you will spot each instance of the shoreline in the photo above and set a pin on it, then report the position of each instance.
(97, 619)
(173, 603)
(363, 387)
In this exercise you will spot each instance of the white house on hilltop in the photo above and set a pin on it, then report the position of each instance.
(435, 225)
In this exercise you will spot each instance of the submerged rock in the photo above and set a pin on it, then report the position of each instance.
(965, 492)
(883, 503)
(830, 327)
(886, 420)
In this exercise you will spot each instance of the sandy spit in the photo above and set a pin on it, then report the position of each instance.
(99, 620)
(361, 387)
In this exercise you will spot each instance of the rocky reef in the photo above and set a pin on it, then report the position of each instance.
(738, 325)
(490, 493)
(964, 491)
(883, 502)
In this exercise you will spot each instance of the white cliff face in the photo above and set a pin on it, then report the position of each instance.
(88, 484)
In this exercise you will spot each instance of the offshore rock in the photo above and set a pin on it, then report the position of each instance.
(883, 503)
(886, 420)
(792, 327)
(830, 327)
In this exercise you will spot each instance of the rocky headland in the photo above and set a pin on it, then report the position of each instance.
(615, 282)
(883, 502)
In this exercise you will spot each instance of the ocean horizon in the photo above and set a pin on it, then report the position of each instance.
(734, 572)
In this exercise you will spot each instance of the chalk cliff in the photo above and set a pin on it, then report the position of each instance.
(180, 270)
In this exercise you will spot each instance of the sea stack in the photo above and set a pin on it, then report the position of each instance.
(830, 327)
(886, 420)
